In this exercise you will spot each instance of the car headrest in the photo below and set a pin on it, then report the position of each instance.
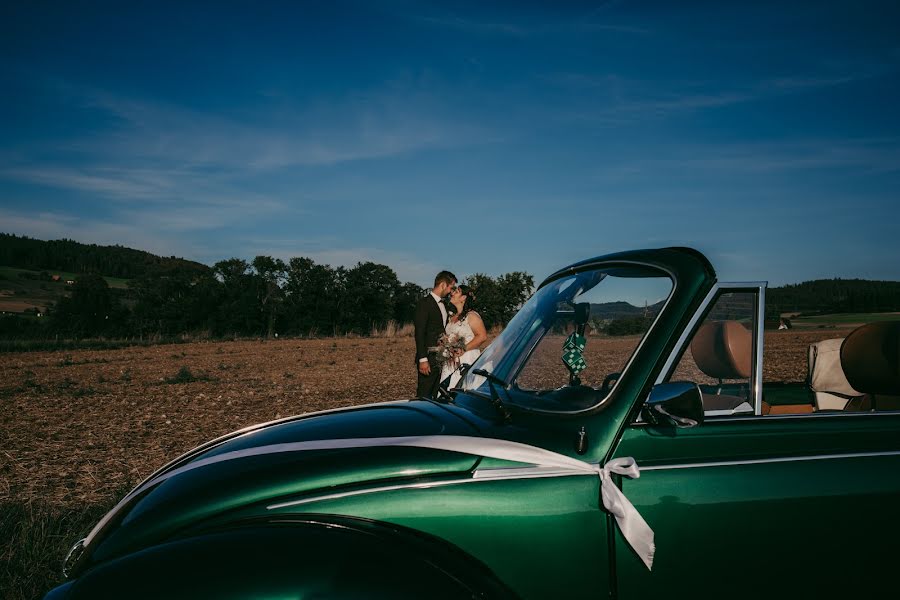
(870, 356)
(722, 349)
(824, 372)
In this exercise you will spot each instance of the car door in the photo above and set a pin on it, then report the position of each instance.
(760, 502)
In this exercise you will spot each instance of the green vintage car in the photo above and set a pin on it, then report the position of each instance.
(638, 430)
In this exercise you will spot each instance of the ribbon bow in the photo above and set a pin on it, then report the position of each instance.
(632, 525)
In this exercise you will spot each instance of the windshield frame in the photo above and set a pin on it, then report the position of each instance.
(527, 340)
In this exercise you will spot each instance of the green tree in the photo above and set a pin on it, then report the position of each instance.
(239, 310)
(369, 297)
(88, 310)
(173, 300)
(406, 296)
(313, 296)
(498, 300)
(272, 273)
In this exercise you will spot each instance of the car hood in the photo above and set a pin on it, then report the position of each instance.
(240, 471)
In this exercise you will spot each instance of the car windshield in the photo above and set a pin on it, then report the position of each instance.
(566, 347)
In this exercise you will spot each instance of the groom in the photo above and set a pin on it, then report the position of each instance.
(430, 320)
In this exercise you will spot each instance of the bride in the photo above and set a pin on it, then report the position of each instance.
(466, 324)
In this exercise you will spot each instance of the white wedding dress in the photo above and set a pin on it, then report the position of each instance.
(460, 329)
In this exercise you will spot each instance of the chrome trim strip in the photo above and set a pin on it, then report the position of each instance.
(525, 473)
(682, 339)
(760, 341)
(373, 490)
(197, 451)
(698, 314)
(478, 476)
(208, 445)
(828, 414)
(762, 461)
(738, 418)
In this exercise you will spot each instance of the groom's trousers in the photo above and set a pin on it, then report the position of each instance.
(427, 385)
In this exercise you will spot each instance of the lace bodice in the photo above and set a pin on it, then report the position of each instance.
(460, 329)
(450, 369)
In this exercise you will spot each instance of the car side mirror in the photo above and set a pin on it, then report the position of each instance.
(677, 403)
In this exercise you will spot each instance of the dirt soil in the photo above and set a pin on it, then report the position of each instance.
(83, 426)
(80, 426)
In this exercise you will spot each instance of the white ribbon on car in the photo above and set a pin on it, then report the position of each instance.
(632, 525)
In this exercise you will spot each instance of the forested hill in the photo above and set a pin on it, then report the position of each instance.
(835, 296)
(821, 296)
(75, 257)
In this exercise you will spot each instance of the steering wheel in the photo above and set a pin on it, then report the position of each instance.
(609, 381)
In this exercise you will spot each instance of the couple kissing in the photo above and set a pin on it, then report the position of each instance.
(448, 335)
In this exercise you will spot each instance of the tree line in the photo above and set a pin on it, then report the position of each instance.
(68, 255)
(262, 297)
(826, 296)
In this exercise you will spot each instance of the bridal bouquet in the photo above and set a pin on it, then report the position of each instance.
(448, 349)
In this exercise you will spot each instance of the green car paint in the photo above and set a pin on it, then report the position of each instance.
(740, 505)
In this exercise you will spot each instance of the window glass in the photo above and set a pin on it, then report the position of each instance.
(806, 327)
(568, 345)
(719, 356)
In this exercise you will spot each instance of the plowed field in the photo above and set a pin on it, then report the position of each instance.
(77, 427)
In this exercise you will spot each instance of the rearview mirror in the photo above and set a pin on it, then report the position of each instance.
(677, 403)
(582, 313)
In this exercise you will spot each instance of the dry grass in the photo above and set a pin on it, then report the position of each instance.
(392, 330)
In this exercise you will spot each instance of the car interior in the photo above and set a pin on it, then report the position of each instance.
(856, 373)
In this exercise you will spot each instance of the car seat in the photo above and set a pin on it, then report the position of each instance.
(870, 357)
(826, 378)
(723, 350)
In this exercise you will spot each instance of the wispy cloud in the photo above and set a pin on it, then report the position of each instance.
(367, 125)
(474, 26)
(880, 155)
(628, 99)
(210, 196)
(767, 164)
(56, 225)
(114, 183)
(525, 28)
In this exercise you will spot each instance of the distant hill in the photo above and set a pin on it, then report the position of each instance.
(74, 257)
(821, 296)
(618, 310)
(824, 296)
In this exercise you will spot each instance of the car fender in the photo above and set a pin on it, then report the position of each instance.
(313, 556)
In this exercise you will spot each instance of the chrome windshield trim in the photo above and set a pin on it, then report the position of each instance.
(478, 476)
(762, 461)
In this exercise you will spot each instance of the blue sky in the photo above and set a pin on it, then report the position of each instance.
(475, 136)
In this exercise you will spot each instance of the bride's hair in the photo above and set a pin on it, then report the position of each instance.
(469, 304)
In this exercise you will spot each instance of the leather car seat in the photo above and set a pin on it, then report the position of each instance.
(870, 357)
(723, 350)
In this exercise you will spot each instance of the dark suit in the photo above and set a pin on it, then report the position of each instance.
(429, 323)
